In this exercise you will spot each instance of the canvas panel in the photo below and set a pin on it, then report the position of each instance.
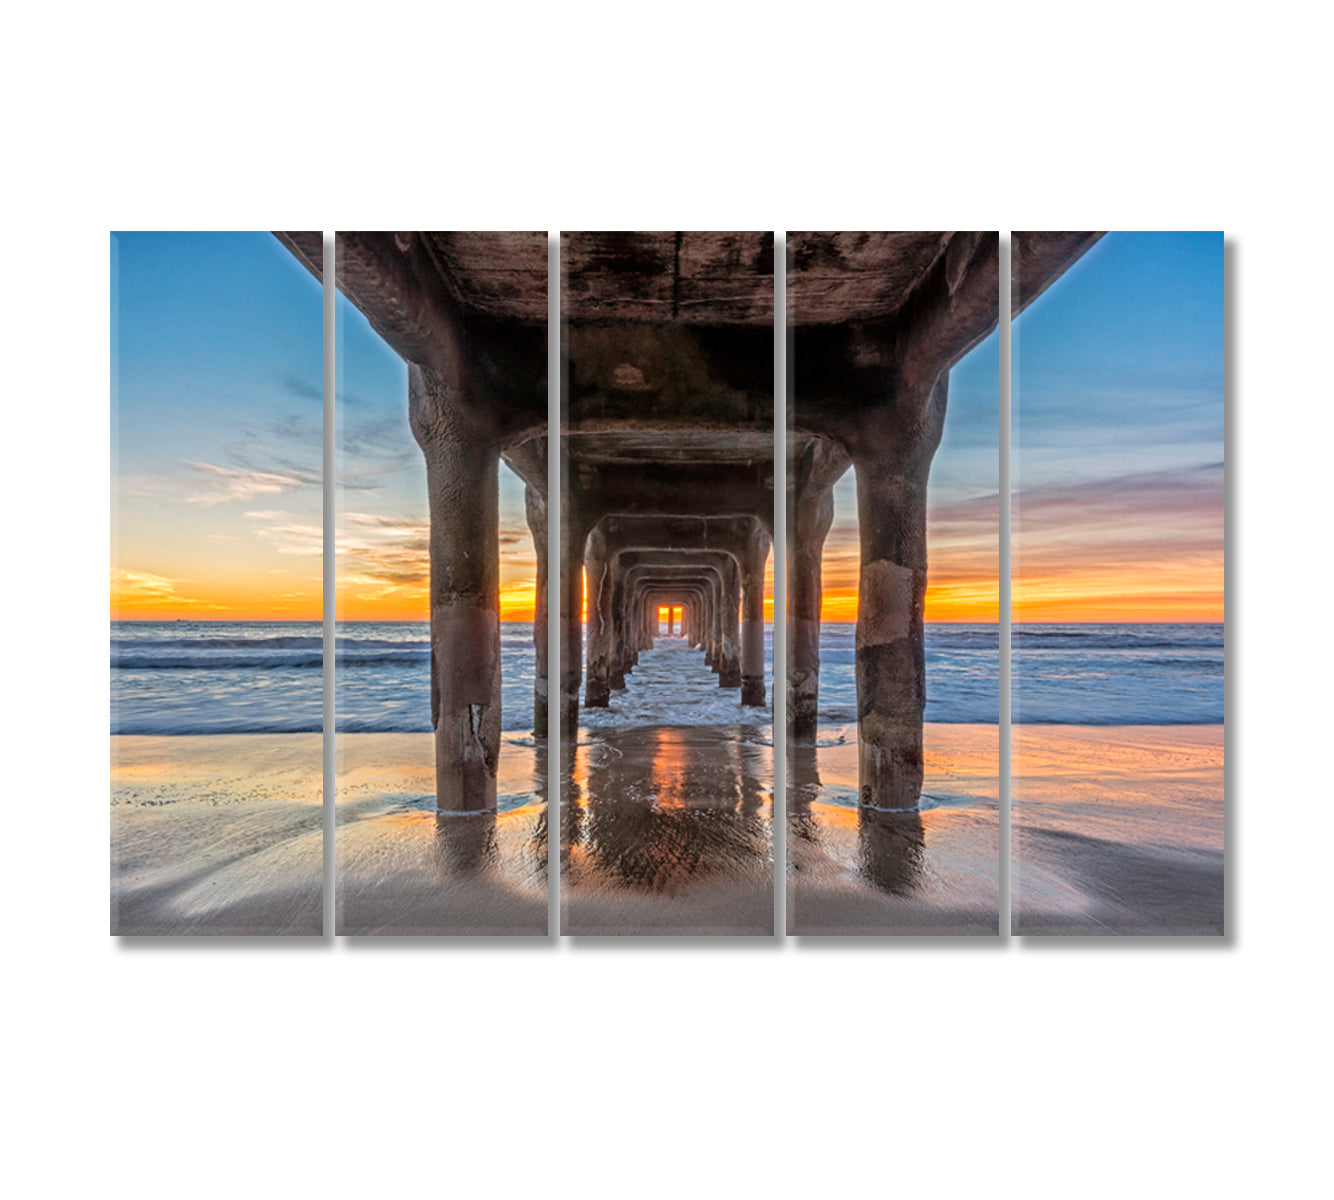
(665, 577)
(892, 586)
(1117, 638)
(441, 410)
(216, 636)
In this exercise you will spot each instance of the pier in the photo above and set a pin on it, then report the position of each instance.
(667, 445)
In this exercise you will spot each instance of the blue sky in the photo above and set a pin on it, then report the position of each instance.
(1118, 434)
(1118, 387)
(217, 346)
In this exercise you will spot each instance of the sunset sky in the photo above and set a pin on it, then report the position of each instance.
(383, 567)
(1117, 460)
(216, 448)
(216, 353)
(962, 543)
(1118, 436)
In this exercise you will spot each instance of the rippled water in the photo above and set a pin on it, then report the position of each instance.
(265, 677)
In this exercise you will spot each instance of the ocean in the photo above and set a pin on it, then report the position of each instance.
(201, 677)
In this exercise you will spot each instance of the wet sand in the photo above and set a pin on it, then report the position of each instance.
(854, 871)
(668, 830)
(403, 869)
(216, 835)
(1118, 830)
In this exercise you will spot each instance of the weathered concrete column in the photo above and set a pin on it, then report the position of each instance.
(729, 665)
(597, 688)
(463, 489)
(535, 509)
(647, 617)
(752, 620)
(713, 634)
(573, 534)
(621, 659)
(891, 665)
(811, 515)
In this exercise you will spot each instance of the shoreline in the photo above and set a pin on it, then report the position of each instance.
(1116, 829)
(219, 834)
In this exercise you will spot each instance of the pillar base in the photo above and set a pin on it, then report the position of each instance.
(729, 675)
(753, 691)
(890, 777)
(569, 717)
(597, 694)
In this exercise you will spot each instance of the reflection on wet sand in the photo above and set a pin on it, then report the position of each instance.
(863, 871)
(1118, 830)
(404, 868)
(217, 834)
(891, 845)
(667, 830)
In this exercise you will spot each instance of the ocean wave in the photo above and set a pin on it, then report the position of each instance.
(269, 643)
(217, 643)
(240, 662)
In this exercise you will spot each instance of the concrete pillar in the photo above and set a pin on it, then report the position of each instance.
(463, 490)
(811, 514)
(597, 687)
(713, 636)
(619, 658)
(891, 666)
(752, 620)
(535, 509)
(729, 664)
(573, 534)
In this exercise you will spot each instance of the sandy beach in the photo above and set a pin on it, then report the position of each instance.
(216, 834)
(668, 830)
(1118, 830)
(401, 869)
(935, 871)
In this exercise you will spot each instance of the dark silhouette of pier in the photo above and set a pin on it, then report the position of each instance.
(667, 452)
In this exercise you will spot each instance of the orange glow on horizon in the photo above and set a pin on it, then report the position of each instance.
(963, 601)
(1114, 599)
(144, 596)
(1123, 598)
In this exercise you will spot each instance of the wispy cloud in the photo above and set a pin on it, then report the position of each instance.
(1123, 518)
(289, 536)
(1148, 544)
(227, 484)
(143, 589)
(304, 388)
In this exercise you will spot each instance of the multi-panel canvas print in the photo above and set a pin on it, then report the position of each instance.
(1117, 638)
(440, 696)
(892, 583)
(885, 686)
(216, 635)
(665, 576)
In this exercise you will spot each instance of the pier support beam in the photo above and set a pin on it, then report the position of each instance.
(572, 537)
(463, 489)
(891, 666)
(535, 509)
(597, 575)
(811, 514)
(729, 662)
(752, 620)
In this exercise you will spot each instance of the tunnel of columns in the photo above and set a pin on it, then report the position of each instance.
(667, 456)
(668, 453)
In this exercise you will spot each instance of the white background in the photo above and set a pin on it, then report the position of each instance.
(1118, 1069)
